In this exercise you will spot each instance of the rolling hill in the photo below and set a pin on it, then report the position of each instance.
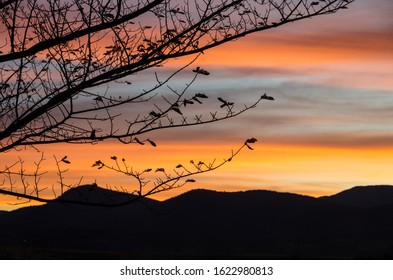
(364, 196)
(204, 224)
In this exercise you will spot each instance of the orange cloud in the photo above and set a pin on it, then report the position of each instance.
(310, 170)
(328, 129)
(288, 49)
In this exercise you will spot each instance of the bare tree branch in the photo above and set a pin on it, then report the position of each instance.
(59, 61)
(144, 188)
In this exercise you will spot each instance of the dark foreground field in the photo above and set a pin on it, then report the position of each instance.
(201, 224)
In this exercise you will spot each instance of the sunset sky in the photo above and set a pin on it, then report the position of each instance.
(329, 129)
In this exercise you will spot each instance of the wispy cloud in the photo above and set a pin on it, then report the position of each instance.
(329, 127)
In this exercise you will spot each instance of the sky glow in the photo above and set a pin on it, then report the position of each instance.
(329, 128)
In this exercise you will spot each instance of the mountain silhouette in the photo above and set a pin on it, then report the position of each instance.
(364, 196)
(202, 224)
(92, 194)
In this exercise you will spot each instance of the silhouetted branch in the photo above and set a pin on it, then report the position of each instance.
(15, 175)
(177, 178)
(53, 59)
(169, 180)
(59, 61)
